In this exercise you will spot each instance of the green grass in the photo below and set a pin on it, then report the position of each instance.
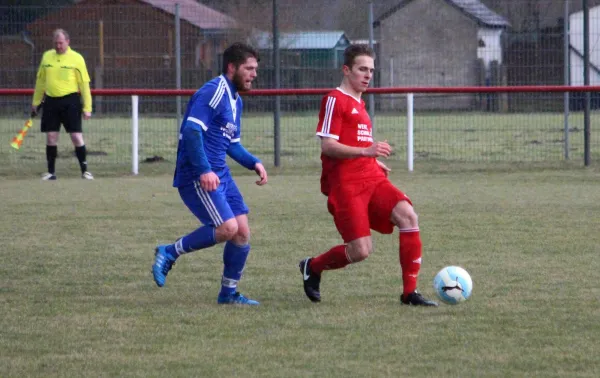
(77, 297)
(443, 139)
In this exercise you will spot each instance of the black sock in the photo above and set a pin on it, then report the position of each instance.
(51, 152)
(81, 154)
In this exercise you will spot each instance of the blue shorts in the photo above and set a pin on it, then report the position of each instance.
(216, 207)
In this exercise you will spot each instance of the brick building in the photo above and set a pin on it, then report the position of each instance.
(438, 43)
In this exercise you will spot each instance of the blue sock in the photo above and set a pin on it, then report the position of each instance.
(202, 237)
(234, 259)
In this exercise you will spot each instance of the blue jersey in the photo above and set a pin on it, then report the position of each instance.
(213, 116)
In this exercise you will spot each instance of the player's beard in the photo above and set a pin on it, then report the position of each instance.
(239, 82)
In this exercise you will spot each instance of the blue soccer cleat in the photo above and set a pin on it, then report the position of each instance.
(162, 264)
(236, 299)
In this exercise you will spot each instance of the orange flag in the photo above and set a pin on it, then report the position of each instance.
(18, 139)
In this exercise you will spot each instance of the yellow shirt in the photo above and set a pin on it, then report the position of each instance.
(63, 74)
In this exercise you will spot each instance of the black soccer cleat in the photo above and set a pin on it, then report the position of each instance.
(311, 281)
(416, 299)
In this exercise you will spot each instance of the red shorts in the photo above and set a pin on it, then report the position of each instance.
(358, 208)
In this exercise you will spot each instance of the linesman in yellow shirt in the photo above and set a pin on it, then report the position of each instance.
(63, 84)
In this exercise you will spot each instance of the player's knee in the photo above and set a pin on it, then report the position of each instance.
(51, 138)
(227, 230)
(77, 139)
(361, 254)
(404, 215)
(412, 217)
(242, 237)
(359, 250)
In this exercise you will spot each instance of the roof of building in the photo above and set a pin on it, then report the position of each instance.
(474, 9)
(195, 13)
(302, 40)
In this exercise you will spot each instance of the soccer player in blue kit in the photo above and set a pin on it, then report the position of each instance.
(211, 130)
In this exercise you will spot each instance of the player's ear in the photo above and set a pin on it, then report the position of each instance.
(231, 68)
(345, 69)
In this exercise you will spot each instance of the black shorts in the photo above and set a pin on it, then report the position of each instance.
(64, 110)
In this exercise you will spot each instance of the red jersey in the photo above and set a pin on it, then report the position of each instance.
(345, 118)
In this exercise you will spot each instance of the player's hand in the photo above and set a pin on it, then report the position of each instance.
(34, 110)
(262, 173)
(87, 115)
(383, 167)
(209, 181)
(378, 149)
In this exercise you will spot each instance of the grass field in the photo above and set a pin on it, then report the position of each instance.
(456, 139)
(77, 297)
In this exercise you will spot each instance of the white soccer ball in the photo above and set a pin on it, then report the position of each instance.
(453, 285)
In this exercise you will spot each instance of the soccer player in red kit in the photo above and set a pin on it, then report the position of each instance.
(360, 196)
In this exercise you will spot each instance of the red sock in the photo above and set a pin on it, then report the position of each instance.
(410, 258)
(335, 258)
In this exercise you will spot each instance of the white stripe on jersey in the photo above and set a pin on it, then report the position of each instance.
(197, 121)
(328, 136)
(209, 204)
(328, 114)
(232, 101)
(235, 140)
(214, 101)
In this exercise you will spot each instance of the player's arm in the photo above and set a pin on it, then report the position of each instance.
(83, 81)
(200, 116)
(191, 136)
(193, 141)
(40, 86)
(332, 148)
(244, 158)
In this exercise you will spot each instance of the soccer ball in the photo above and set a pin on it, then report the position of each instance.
(453, 285)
